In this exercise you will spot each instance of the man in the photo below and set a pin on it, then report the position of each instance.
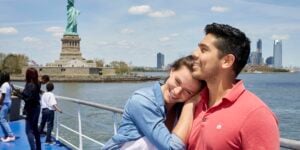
(228, 116)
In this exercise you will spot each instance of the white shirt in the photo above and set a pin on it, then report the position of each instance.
(48, 100)
(6, 89)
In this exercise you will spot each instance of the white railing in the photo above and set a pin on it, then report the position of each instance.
(285, 143)
(59, 124)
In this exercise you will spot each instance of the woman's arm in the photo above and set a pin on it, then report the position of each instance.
(28, 91)
(148, 118)
(2, 99)
(184, 124)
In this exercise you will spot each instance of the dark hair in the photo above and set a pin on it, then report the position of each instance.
(50, 86)
(32, 75)
(183, 61)
(4, 77)
(186, 61)
(45, 78)
(231, 40)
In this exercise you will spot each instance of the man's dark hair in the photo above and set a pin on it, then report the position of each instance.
(231, 40)
(49, 86)
(45, 78)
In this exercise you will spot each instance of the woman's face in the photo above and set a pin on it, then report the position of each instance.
(180, 86)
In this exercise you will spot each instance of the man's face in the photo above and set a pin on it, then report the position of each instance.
(207, 62)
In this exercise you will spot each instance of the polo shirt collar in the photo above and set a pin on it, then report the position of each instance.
(232, 95)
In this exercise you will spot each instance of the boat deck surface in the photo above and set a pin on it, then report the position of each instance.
(21, 142)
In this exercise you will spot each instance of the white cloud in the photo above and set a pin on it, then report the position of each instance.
(127, 31)
(138, 10)
(164, 39)
(125, 44)
(162, 14)
(102, 43)
(8, 30)
(56, 31)
(174, 34)
(280, 37)
(219, 9)
(30, 39)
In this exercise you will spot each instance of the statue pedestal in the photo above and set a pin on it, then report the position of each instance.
(70, 48)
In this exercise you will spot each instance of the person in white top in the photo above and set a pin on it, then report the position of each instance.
(5, 104)
(49, 105)
(44, 80)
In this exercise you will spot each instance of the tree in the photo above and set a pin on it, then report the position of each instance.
(2, 57)
(120, 67)
(13, 63)
(99, 62)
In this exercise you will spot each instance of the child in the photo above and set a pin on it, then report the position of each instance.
(5, 104)
(44, 80)
(49, 105)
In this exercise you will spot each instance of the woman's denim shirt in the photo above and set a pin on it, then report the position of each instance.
(144, 115)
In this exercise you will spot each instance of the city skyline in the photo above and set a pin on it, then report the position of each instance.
(134, 31)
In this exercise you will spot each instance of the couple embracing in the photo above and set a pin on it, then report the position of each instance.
(201, 105)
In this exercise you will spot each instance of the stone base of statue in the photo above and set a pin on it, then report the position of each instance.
(70, 55)
(71, 61)
(70, 48)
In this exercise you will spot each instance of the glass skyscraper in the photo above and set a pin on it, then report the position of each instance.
(277, 53)
(160, 60)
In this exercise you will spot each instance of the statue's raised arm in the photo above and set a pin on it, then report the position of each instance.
(72, 14)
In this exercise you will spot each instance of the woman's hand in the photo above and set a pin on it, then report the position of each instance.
(195, 99)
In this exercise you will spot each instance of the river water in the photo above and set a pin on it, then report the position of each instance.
(280, 91)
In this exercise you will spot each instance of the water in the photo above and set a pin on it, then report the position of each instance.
(280, 91)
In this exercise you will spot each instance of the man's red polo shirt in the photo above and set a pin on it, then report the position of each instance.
(240, 121)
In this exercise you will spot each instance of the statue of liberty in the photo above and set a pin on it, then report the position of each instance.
(72, 14)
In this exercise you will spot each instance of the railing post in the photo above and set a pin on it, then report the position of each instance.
(115, 123)
(57, 127)
(79, 128)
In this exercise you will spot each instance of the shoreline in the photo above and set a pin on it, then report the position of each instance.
(95, 78)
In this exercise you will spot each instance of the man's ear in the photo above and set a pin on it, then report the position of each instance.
(228, 60)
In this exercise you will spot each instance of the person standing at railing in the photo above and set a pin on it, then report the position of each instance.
(32, 108)
(49, 105)
(44, 80)
(160, 117)
(5, 104)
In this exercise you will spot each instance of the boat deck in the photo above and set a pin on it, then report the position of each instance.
(21, 142)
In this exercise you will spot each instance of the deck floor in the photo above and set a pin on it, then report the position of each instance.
(21, 142)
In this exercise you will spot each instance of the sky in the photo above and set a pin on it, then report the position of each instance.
(134, 31)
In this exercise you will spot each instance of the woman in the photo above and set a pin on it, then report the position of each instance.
(31, 96)
(151, 116)
(5, 104)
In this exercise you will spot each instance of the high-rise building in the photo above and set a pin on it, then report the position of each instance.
(259, 52)
(259, 45)
(277, 53)
(270, 61)
(160, 60)
(255, 58)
